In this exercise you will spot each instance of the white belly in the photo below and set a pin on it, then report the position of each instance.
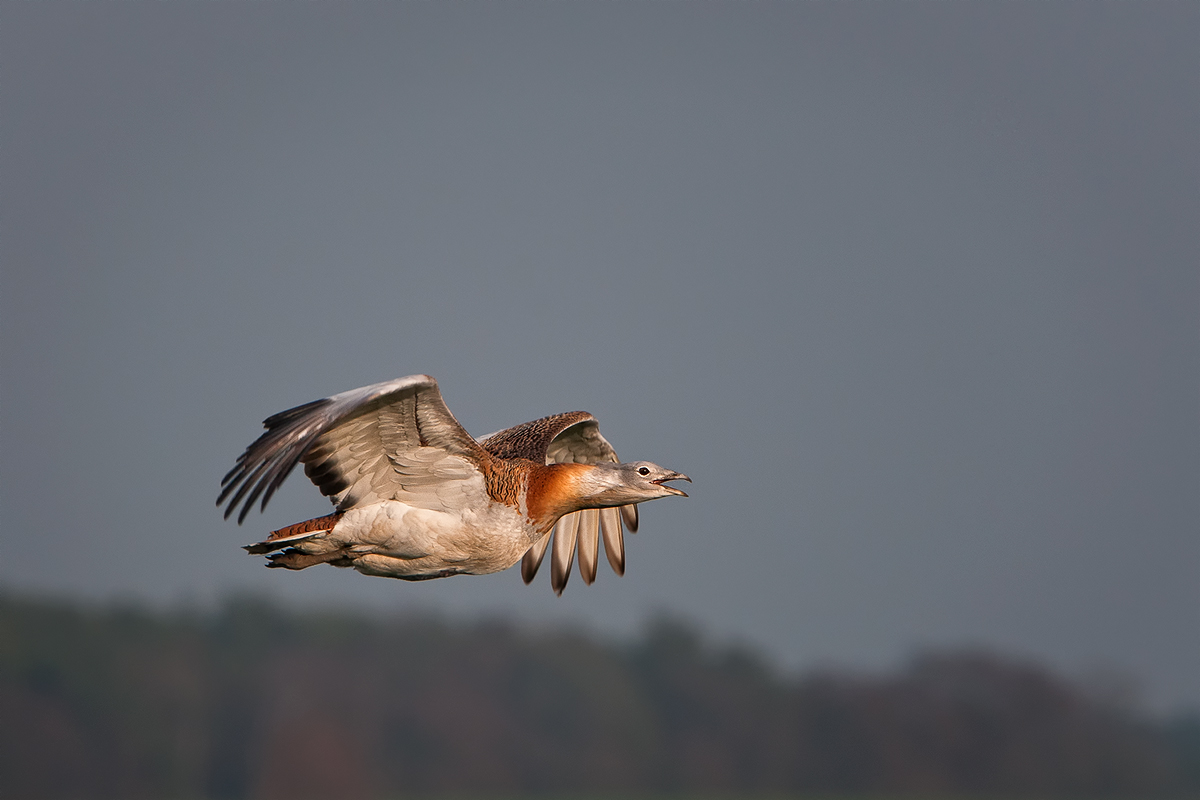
(393, 539)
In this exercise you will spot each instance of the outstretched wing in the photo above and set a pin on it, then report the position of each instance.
(390, 441)
(573, 437)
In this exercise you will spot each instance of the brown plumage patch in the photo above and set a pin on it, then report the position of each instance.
(548, 491)
(531, 439)
(506, 479)
(552, 493)
(272, 542)
(325, 523)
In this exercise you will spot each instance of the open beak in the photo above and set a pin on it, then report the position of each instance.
(673, 476)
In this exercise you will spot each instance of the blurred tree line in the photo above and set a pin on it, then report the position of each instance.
(256, 702)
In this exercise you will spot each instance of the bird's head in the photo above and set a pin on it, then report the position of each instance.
(608, 485)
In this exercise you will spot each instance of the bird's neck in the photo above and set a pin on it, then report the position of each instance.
(554, 490)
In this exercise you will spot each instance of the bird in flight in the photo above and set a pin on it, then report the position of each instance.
(417, 497)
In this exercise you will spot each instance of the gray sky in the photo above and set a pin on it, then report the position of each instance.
(910, 290)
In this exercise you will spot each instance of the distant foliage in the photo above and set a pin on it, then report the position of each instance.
(253, 702)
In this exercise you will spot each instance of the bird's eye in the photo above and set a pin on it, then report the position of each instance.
(643, 470)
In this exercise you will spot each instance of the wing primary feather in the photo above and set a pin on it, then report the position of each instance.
(276, 482)
(278, 462)
(268, 482)
(235, 476)
(268, 460)
(533, 559)
(629, 515)
(284, 417)
(242, 484)
(283, 467)
(589, 544)
(614, 541)
(227, 483)
(563, 551)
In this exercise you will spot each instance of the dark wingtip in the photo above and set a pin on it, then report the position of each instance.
(225, 490)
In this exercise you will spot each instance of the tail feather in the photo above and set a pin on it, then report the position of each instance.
(294, 533)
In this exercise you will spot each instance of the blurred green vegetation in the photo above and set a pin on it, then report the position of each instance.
(252, 701)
